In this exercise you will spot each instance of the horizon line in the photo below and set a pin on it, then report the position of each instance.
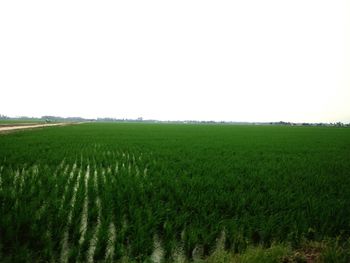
(141, 119)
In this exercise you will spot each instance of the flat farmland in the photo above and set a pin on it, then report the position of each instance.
(140, 192)
(4, 122)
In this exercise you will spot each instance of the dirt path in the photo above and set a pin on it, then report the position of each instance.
(22, 127)
(19, 124)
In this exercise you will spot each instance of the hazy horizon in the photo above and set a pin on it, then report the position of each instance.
(161, 120)
(251, 61)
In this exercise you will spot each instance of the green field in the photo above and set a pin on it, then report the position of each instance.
(19, 122)
(109, 192)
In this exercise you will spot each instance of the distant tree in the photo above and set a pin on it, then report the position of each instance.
(339, 124)
(4, 117)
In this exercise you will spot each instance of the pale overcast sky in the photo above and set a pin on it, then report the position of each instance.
(248, 60)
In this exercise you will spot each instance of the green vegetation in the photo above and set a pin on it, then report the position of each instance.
(17, 122)
(113, 192)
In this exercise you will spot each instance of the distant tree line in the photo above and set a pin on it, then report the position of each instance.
(4, 117)
(48, 119)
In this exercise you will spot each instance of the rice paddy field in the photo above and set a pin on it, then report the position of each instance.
(111, 192)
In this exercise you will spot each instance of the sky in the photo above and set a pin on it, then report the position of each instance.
(248, 60)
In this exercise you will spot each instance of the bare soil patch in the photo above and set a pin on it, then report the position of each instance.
(8, 129)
